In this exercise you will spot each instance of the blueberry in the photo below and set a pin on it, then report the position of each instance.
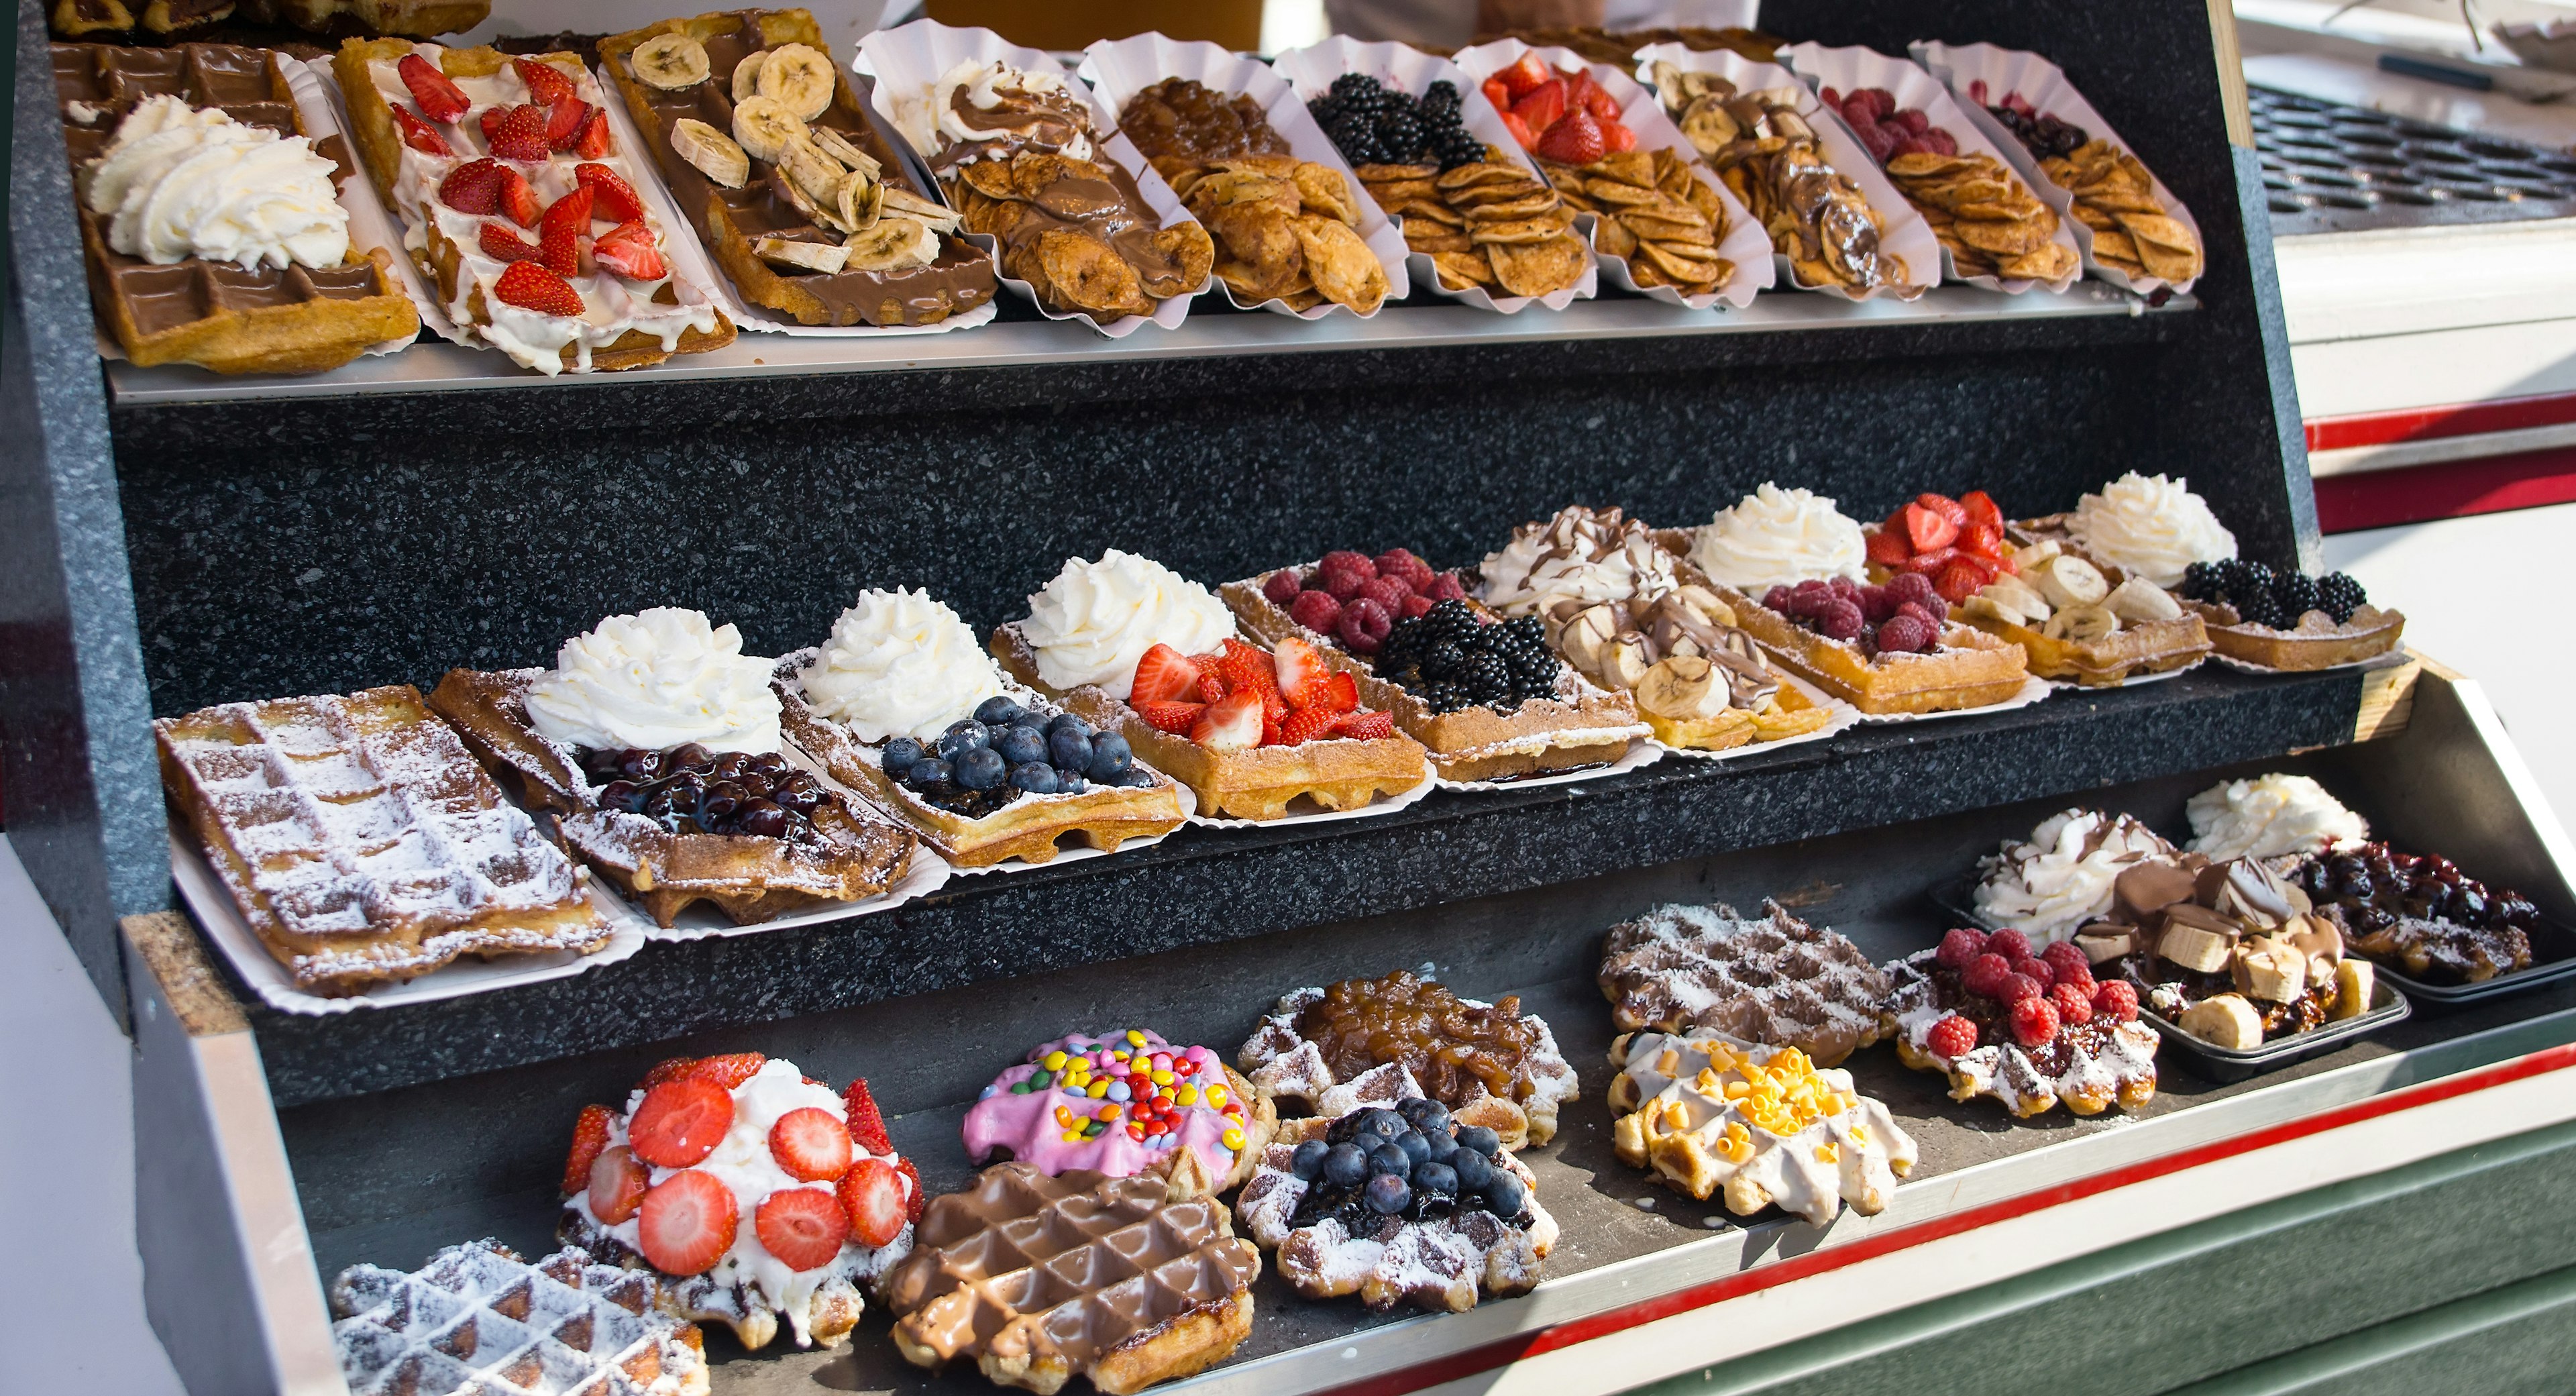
(1383, 1122)
(1033, 778)
(900, 754)
(1138, 778)
(1504, 1196)
(1020, 745)
(1067, 722)
(998, 711)
(963, 735)
(1481, 1139)
(1345, 1165)
(1069, 782)
(1443, 1144)
(1386, 1158)
(1309, 1159)
(1415, 1147)
(1034, 720)
(980, 768)
(1472, 1170)
(1427, 1115)
(1069, 749)
(1435, 1180)
(1110, 759)
(928, 773)
(1387, 1194)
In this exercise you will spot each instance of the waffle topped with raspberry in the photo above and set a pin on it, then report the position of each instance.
(2031, 1030)
(2421, 915)
(1771, 979)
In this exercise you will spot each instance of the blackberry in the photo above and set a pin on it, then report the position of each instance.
(2294, 594)
(2200, 582)
(1352, 85)
(1401, 134)
(1441, 96)
(2339, 596)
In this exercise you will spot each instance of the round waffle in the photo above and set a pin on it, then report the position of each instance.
(1771, 979)
(2089, 1066)
(1712, 1114)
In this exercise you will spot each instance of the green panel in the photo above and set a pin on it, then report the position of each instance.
(2209, 1298)
(2516, 1341)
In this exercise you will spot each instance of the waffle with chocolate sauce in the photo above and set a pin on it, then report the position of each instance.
(1771, 979)
(217, 315)
(1125, 1281)
(159, 19)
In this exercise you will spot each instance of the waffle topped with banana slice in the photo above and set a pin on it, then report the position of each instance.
(2078, 617)
(1710, 1114)
(767, 149)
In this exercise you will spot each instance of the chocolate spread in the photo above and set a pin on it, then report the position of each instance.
(1189, 123)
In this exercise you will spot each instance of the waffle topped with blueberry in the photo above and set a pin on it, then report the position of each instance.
(2287, 619)
(2421, 915)
(746, 833)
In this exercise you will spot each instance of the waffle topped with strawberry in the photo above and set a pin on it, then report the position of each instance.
(1955, 544)
(2029, 1028)
(520, 208)
(753, 1189)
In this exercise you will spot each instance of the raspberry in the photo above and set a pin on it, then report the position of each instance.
(1904, 634)
(2034, 1023)
(1808, 596)
(2081, 976)
(1840, 620)
(1402, 565)
(1363, 626)
(1386, 591)
(1343, 559)
(2034, 969)
(1416, 605)
(1283, 587)
(2016, 987)
(1777, 599)
(1342, 582)
(1911, 586)
(2062, 956)
(1446, 587)
(1316, 610)
(1985, 974)
(1919, 612)
(1960, 947)
(1952, 1038)
(2073, 1005)
(1848, 588)
(2117, 999)
(1876, 605)
(2010, 944)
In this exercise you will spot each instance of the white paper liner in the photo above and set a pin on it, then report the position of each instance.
(1745, 245)
(1312, 70)
(317, 105)
(1643, 752)
(1906, 236)
(1849, 69)
(2132, 681)
(2386, 660)
(904, 64)
(1078, 853)
(1383, 804)
(211, 905)
(2031, 691)
(680, 237)
(1119, 69)
(927, 874)
(2045, 87)
(1844, 715)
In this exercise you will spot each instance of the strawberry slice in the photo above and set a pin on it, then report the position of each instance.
(1980, 508)
(916, 1201)
(803, 1227)
(419, 134)
(1540, 107)
(1927, 528)
(1175, 718)
(630, 251)
(1232, 723)
(1164, 675)
(811, 1143)
(440, 99)
(1297, 666)
(1523, 75)
(687, 1222)
(1985, 540)
(872, 1196)
(1960, 579)
(473, 187)
(591, 141)
(1616, 137)
(564, 121)
(1305, 725)
(679, 1122)
(728, 1071)
(1574, 140)
(1497, 94)
(617, 1183)
(611, 197)
(1270, 731)
(667, 1069)
(1887, 547)
(1335, 693)
(589, 1136)
(1520, 130)
(1946, 507)
(559, 238)
(516, 197)
(1247, 667)
(519, 133)
(547, 84)
(867, 1127)
(1930, 563)
(1365, 727)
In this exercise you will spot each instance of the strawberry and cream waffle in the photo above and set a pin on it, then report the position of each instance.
(519, 208)
(752, 1189)
(1122, 1103)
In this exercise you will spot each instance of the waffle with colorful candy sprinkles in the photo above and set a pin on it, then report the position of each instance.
(1122, 1103)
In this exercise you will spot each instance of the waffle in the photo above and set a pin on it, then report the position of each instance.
(1711, 1115)
(1583, 725)
(2138, 648)
(1441, 1260)
(1028, 828)
(625, 324)
(1774, 980)
(1210, 1119)
(74, 19)
(1971, 669)
(1126, 1281)
(2088, 1066)
(478, 1319)
(1317, 1040)
(958, 280)
(216, 314)
(1261, 783)
(361, 842)
(747, 877)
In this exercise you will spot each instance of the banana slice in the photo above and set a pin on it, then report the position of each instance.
(1992, 607)
(766, 127)
(710, 151)
(2065, 581)
(825, 257)
(840, 148)
(892, 245)
(2354, 983)
(818, 174)
(798, 77)
(746, 77)
(2016, 594)
(2082, 624)
(670, 62)
(2225, 1020)
(919, 209)
(2138, 599)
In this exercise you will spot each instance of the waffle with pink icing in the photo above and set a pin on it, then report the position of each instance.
(519, 207)
(1122, 1103)
(754, 1191)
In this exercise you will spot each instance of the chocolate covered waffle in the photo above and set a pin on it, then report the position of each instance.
(159, 19)
(1461, 1051)
(1772, 979)
(764, 144)
(2031, 1030)
(478, 1318)
(1124, 1281)
(270, 284)
(362, 843)
(1714, 1116)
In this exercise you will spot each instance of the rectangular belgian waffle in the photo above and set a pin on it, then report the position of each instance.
(960, 279)
(1027, 829)
(1331, 772)
(478, 1319)
(2139, 648)
(216, 314)
(361, 841)
(74, 19)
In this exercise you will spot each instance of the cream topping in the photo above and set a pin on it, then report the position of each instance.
(1579, 555)
(1007, 100)
(1777, 537)
(899, 664)
(2061, 876)
(1096, 619)
(176, 182)
(655, 680)
(2269, 816)
(2152, 526)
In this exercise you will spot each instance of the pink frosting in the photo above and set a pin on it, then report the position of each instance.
(1025, 1126)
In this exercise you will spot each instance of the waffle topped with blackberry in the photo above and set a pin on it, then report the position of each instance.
(2421, 915)
(2287, 620)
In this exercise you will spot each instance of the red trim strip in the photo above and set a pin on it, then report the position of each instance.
(2432, 423)
(1564, 1335)
(2446, 490)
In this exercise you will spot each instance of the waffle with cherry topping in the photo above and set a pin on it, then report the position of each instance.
(2421, 915)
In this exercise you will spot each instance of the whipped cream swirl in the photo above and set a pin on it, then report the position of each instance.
(2269, 816)
(2061, 877)
(655, 680)
(2150, 526)
(176, 182)
(900, 664)
(1581, 554)
(1778, 537)
(978, 100)
(1096, 619)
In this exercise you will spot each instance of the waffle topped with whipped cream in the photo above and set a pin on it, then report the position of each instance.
(2051, 884)
(477, 1318)
(1713, 1115)
(362, 843)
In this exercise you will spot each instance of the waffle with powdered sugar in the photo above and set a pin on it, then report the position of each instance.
(479, 1319)
(1772, 979)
